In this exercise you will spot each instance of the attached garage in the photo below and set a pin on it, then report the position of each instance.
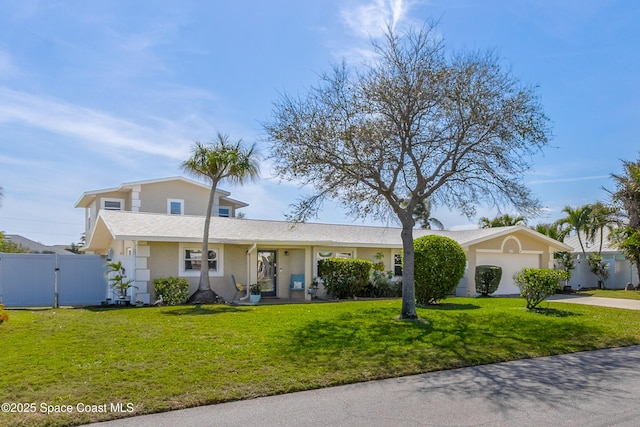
(512, 249)
(511, 264)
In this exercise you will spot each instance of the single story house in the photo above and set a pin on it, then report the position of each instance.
(164, 242)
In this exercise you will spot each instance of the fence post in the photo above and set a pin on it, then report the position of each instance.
(55, 283)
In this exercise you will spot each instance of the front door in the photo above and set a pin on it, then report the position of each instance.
(267, 272)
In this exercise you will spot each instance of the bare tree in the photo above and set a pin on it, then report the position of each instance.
(413, 124)
(422, 215)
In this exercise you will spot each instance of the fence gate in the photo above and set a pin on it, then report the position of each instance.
(47, 280)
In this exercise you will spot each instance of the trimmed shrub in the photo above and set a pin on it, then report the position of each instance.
(345, 277)
(487, 279)
(173, 290)
(439, 266)
(538, 283)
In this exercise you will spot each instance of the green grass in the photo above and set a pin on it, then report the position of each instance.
(612, 293)
(174, 357)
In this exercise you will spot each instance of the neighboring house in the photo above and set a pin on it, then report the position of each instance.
(158, 244)
(35, 247)
(621, 271)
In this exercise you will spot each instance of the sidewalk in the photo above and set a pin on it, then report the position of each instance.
(597, 388)
(629, 304)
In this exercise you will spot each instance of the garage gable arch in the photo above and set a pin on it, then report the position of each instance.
(511, 245)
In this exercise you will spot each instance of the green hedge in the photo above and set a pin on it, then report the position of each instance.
(173, 290)
(439, 266)
(345, 277)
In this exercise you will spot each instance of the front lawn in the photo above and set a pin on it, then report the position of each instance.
(611, 293)
(157, 359)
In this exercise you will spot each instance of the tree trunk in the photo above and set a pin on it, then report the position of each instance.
(204, 294)
(408, 287)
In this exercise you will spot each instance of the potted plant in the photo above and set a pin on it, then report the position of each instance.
(255, 293)
(118, 281)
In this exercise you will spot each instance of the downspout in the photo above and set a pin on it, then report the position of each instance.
(251, 249)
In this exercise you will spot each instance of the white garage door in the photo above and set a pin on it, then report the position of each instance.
(511, 264)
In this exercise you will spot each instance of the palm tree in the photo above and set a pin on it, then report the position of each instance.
(550, 230)
(576, 220)
(627, 197)
(600, 217)
(422, 215)
(504, 220)
(215, 162)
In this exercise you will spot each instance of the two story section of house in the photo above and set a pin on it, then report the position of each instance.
(174, 196)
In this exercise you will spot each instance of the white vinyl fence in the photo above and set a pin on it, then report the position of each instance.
(50, 280)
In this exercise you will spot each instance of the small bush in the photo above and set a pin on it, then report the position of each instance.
(439, 266)
(487, 279)
(345, 277)
(538, 283)
(173, 290)
(4, 317)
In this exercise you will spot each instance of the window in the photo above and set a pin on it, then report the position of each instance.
(113, 204)
(224, 212)
(193, 260)
(190, 259)
(175, 207)
(397, 264)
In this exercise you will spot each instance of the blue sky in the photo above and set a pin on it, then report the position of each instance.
(96, 93)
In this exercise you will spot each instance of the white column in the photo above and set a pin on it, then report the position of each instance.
(135, 198)
(143, 274)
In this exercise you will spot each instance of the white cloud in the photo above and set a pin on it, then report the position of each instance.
(98, 130)
(371, 19)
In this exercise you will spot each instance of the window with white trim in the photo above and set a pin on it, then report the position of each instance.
(191, 259)
(175, 207)
(113, 204)
(397, 264)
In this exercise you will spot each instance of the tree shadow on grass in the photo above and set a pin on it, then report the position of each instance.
(201, 310)
(450, 306)
(554, 312)
(448, 336)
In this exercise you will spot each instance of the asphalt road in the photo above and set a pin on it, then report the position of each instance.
(599, 388)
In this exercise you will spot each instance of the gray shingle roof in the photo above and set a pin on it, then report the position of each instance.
(183, 228)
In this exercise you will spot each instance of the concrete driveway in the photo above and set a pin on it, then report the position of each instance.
(598, 388)
(629, 304)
